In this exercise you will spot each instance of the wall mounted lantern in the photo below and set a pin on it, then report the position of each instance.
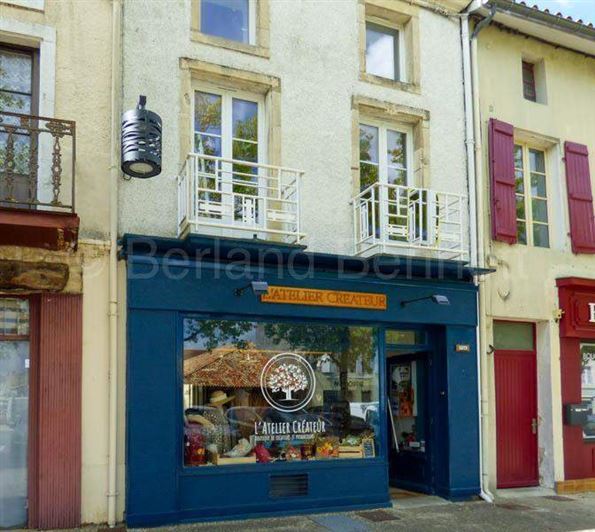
(141, 141)
(436, 298)
(259, 288)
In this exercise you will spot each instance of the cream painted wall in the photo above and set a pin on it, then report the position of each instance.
(75, 38)
(523, 288)
(314, 50)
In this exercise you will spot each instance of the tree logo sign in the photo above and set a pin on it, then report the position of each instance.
(287, 382)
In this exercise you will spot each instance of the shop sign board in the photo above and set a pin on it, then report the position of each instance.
(324, 298)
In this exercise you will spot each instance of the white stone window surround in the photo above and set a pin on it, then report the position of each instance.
(43, 38)
(37, 5)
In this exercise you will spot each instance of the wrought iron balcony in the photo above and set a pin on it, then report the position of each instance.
(228, 197)
(37, 161)
(410, 221)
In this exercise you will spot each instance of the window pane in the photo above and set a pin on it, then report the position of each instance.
(519, 181)
(537, 161)
(381, 51)
(541, 236)
(405, 337)
(397, 177)
(15, 72)
(245, 119)
(207, 113)
(529, 81)
(539, 210)
(588, 388)
(538, 185)
(225, 18)
(521, 232)
(396, 150)
(14, 317)
(509, 335)
(368, 174)
(520, 207)
(207, 144)
(277, 392)
(368, 143)
(14, 408)
(518, 156)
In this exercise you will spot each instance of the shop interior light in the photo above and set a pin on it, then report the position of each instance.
(436, 298)
(259, 288)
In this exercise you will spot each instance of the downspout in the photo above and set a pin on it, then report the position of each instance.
(112, 459)
(474, 175)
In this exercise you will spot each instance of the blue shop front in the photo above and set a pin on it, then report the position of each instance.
(265, 380)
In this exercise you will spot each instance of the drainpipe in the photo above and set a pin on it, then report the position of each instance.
(474, 176)
(112, 459)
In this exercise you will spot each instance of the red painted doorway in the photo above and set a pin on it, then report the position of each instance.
(516, 417)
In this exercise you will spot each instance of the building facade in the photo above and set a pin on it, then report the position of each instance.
(55, 113)
(301, 317)
(535, 147)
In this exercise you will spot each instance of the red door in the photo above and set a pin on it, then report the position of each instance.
(516, 418)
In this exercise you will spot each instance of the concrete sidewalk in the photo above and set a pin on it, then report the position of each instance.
(518, 513)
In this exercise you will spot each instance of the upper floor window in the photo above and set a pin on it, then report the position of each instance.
(384, 155)
(531, 196)
(234, 20)
(18, 86)
(529, 90)
(383, 51)
(534, 80)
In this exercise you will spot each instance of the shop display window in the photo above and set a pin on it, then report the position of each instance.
(588, 388)
(262, 392)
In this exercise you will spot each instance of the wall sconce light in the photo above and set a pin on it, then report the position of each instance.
(141, 141)
(436, 298)
(259, 288)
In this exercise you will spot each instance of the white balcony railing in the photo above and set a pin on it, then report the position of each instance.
(394, 219)
(228, 197)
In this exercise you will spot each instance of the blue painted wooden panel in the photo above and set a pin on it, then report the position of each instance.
(209, 288)
(153, 419)
(463, 414)
(334, 485)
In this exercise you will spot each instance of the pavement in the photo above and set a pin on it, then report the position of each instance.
(521, 511)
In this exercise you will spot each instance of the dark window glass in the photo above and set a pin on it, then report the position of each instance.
(228, 19)
(588, 388)
(18, 94)
(529, 81)
(274, 392)
(14, 409)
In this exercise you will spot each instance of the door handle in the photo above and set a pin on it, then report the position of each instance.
(534, 425)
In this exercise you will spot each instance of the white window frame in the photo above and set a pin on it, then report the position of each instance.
(383, 127)
(401, 60)
(528, 196)
(227, 96)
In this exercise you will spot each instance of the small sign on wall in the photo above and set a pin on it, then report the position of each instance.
(463, 348)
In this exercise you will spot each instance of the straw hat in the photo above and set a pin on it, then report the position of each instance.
(219, 397)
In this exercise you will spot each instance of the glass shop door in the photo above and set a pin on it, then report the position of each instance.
(14, 411)
(408, 421)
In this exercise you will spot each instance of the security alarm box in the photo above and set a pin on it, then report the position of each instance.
(576, 414)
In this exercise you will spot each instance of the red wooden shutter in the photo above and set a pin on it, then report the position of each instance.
(501, 143)
(580, 198)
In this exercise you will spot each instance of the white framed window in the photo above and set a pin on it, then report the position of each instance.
(229, 125)
(385, 51)
(385, 154)
(531, 196)
(234, 20)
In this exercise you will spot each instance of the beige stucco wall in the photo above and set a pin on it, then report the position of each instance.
(523, 287)
(76, 85)
(314, 50)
